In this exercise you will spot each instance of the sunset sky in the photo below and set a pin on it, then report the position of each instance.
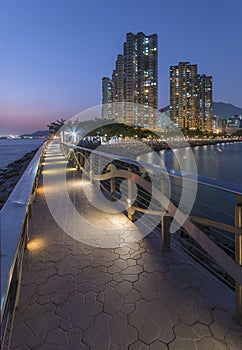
(54, 53)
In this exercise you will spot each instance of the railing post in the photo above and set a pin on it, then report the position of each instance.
(90, 167)
(165, 233)
(238, 259)
(62, 137)
(112, 185)
(111, 168)
(130, 210)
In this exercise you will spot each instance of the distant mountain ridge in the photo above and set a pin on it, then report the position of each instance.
(226, 110)
(38, 133)
(222, 109)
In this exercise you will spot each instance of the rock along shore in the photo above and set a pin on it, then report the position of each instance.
(162, 145)
(11, 174)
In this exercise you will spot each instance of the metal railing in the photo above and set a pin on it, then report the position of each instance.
(14, 217)
(212, 234)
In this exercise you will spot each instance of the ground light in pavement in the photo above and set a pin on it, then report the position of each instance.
(36, 244)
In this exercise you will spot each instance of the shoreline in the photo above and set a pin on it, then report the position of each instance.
(163, 146)
(10, 175)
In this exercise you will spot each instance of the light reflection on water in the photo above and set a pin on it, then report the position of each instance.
(222, 162)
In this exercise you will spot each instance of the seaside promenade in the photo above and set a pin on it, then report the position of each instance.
(80, 296)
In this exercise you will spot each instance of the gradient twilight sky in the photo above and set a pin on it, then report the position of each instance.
(54, 53)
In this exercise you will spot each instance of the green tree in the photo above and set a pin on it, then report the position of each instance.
(237, 133)
(55, 126)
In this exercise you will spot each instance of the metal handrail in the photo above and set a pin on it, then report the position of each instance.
(14, 234)
(231, 187)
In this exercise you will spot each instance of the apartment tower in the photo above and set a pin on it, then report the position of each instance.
(134, 82)
(190, 97)
(184, 95)
(107, 98)
(205, 103)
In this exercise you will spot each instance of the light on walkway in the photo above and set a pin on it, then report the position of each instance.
(69, 170)
(35, 244)
(47, 162)
(52, 157)
(55, 171)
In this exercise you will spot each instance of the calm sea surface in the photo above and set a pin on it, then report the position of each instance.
(13, 149)
(223, 162)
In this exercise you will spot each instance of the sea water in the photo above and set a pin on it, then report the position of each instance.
(13, 149)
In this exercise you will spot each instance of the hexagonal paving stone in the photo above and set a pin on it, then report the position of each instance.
(211, 343)
(182, 344)
(138, 345)
(112, 301)
(20, 335)
(98, 335)
(58, 298)
(96, 276)
(132, 296)
(74, 346)
(222, 322)
(184, 331)
(188, 314)
(124, 288)
(45, 346)
(201, 329)
(74, 335)
(152, 321)
(90, 297)
(62, 284)
(65, 322)
(132, 270)
(234, 339)
(76, 300)
(157, 345)
(81, 321)
(121, 264)
(42, 300)
(22, 347)
(57, 337)
(149, 285)
(43, 323)
(64, 309)
(121, 333)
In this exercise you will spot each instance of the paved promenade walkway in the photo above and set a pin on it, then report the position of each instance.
(77, 296)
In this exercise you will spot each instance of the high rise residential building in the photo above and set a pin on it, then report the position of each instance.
(217, 124)
(205, 102)
(106, 98)
(135, 82)
(190, 97)
(184, 95)
(118, 90)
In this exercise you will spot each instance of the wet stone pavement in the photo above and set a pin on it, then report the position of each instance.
(76, 296)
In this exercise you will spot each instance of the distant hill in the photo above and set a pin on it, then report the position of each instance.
(38, 133)
(223, 110)
(226, 110)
